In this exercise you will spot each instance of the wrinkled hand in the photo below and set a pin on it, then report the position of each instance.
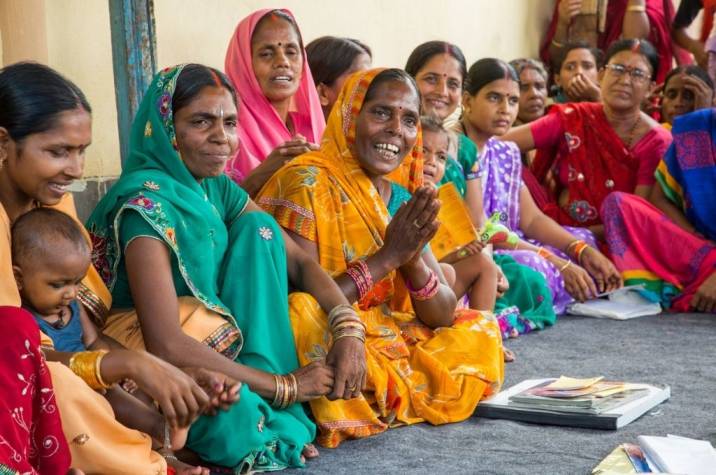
(412, 227)
(222, 390)
(314, 380)
(606, 276)
(347, 358)
(704, 300)
(283, 154)
(567, 10)
(578, 282)
(179, 397)
(583, 88)
(703, 95)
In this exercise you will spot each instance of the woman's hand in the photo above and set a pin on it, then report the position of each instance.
(222, 390)
(291, 148)
(704, 300)
(179, 397)
(583, 88)
(412, 227)
(567, 10)
(314, 380)
(347, 358)
(703, 95)
(577, 281)
(602, 269)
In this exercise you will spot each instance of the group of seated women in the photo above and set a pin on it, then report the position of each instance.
(275, 238)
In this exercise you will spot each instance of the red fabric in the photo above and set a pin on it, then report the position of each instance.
(584, 156)
(640, 239)
(661, 14)
(31, 439)
(708, 23)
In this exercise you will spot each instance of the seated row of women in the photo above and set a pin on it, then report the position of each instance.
(326, 289)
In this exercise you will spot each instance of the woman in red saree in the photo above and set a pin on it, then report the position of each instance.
(645, 19)
(588, 150)
(31, 438)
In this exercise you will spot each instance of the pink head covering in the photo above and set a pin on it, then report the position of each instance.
(260, 127)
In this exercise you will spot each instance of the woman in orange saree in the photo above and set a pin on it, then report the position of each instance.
(425, 361)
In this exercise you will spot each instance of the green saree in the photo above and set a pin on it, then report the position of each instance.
(232, 261)
(527, 305)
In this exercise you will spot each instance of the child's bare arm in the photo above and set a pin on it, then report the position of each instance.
(93, 338)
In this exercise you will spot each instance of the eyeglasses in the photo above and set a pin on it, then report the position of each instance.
(637, 75)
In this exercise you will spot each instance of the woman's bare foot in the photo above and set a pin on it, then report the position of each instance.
(309, 452)
(185, 469)
(509, 355)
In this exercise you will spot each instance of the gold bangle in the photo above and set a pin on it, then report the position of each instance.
(86, 365)
(564, 267)
(636, 9)
(557, 43)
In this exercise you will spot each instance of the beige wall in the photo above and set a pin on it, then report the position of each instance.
(503, 28)
(73, 36)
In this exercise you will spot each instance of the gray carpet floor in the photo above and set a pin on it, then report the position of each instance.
(678, 350)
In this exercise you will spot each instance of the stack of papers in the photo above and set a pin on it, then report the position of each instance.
(670, 454)
(621, 304)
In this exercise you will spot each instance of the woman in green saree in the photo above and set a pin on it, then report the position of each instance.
(199, 275)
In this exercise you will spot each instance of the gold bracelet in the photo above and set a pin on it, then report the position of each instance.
(86, 365)
(636, 9)
(564, 267)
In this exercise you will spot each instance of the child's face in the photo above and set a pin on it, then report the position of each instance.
(48, 287)
(435, 154)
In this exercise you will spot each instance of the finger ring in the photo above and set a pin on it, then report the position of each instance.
(416, 224)
(353, 388)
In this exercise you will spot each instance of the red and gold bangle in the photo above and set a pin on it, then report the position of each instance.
(360, 273)
(580, 252)
(544, 253)
(428, 291)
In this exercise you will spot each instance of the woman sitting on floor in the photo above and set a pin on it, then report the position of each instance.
(332, 60)
(667, 243)
(686, 89)
(425, 362)
(439, 70)
(280, 114)
(200, 275)
(491, 101)
(45, 128)
(576, 73)
(533, 89)
(587, 150)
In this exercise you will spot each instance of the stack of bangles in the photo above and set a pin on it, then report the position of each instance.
(359, 272)
(86, 365)
(286, 390)
(577, 248)
(429, 290)
(344, 322)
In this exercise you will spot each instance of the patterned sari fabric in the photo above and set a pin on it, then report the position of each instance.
(641, 237)
(589, 162)
(415, 374)
(209, 237)
(31, 438)
(502, 183)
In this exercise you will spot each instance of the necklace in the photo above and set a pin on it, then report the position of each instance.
(632, 131)
(60, 323)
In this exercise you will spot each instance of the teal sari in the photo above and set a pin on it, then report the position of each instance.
(232, 261)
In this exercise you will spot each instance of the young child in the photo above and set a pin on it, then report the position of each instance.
(468, 270)
(51, 256)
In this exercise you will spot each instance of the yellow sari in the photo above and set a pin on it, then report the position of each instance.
(98, 442)
(415, 374)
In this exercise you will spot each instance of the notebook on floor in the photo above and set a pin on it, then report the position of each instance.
(639, 399)
(621, 304)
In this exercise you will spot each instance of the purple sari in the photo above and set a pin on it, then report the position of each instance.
(501, 184)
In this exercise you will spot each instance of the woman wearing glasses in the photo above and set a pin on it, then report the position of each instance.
(587, 150)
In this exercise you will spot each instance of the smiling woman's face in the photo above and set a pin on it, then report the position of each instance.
(206, 132)
(387, 127)
(440, 84)
(277, 58)
(41, 166)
